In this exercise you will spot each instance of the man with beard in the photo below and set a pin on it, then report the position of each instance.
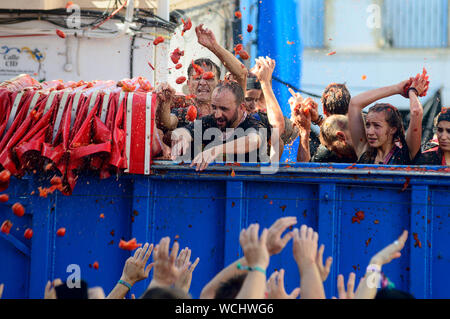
(227, 132)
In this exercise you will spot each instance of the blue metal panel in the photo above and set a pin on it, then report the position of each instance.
(206, 211)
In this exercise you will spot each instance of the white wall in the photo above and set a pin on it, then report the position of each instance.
(359, 52)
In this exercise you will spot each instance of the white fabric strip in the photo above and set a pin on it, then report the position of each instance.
(74, 108)
(105, 107)
(61, 107)
(92, 100)
(33, 102)
(148, 131)
(13, 112)
(50, 99)
(128, 120)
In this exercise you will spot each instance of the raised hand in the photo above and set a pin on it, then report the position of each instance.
(305, 246)
(275, 244)
(324, 270)
(165, 272)
(50, 292)
(135, 268)
(391, 251)
(275, 287)
(187, 268)
(205, 37)
(264, 69)
(255, 250)
(350, 293)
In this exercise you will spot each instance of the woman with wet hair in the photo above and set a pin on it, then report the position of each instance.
(440, 154)
(380, 138)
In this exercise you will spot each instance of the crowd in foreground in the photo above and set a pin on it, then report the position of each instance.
(245, 100)
(245, 278)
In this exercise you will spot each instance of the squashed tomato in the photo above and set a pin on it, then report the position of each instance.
(191, 113)
(61, 232)
(60, 34)
(6, 227)
(249, 28)
(5, 175)
(4, 198)
(129, 245)
(28, 233)
(158, 40)
(95, 265)
(208, 75)
(187, 25)
(18, 209)
(244, 55)
(180, 80)
(238, 14)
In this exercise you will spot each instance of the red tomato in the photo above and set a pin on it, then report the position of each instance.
(191, 113)
(176, 55)
(60, 33)
(28, 233)
(150, 65)
(178, 66)
(332, 53)
(6, 227)
(56, 180)
(68, 4)
(61, 232)
(5, 175)
(244, 55)
(102, 215)
(18, 209)
(239, 47)
(187, 26)
(249, 28)
(208, 75)
(181, 80)
(4, 198)
(238, 14)
(158, 40)
(198, 70)
(129, 245)
(95, 265)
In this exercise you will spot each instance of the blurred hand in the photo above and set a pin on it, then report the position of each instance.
(205, 37)
(255, 250)
(323, 270)
(187, 268)
(305, 246)
(135, 268)
(263, 69)
(50, 292)
(391, 251)
(350, 293)
(275, 244)
(275, 287)
(165, 272)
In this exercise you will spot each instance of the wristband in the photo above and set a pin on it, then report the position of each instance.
(319, 120)
(124, 283)
(257, 268)
(415, 90)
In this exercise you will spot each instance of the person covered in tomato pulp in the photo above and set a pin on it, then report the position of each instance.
(229, 132)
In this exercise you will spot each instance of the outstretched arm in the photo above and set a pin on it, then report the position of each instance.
(263, 70)
(208, 40)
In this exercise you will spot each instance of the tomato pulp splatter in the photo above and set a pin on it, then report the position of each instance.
(180, 80)
(6, 227)
(60, 34)
(249, 28)
(61, 232)
(191, 113)
(238, 14)
(4, 198)
(187, 25)
(28, 233)
(359, 216)
(129, 245)
(244, 55)
(208, 75)
(176, 55)
(158, 40)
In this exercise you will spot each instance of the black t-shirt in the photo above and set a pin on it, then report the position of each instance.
(400, 157)
(324, 155)
(432, 156)
(215, 137)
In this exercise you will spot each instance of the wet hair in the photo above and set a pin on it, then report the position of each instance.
(200, 62)
(234, 87)
(444, 115)
(164, 293)
(230, 288)
(330, 127)
(394, 119)
(335, 99)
